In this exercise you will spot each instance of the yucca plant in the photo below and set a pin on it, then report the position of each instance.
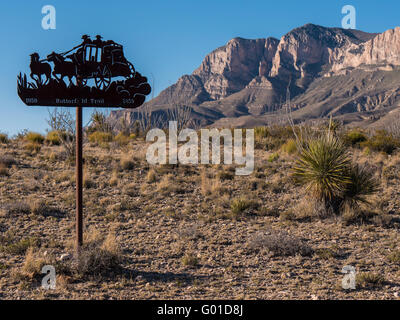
(362, 184)
(322, 166)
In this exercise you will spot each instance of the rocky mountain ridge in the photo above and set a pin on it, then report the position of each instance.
(249, 78)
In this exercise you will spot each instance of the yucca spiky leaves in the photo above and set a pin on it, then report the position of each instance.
(362, 184)
(322, 166)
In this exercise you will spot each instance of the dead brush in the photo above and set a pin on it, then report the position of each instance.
(279, 243)
(99, 257)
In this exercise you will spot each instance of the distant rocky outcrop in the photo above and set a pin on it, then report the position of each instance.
(329, 71)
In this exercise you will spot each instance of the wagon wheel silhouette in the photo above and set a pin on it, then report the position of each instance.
(132, 70)
(103, 78)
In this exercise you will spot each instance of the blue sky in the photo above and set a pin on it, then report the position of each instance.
(163, 38)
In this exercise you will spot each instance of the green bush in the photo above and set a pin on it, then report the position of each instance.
(34, 137)
(53, 138)
(100, 137)
(382, 141)
(3, 138)
(122, 139)
(290, 146)
(354, 137)
(273, 157)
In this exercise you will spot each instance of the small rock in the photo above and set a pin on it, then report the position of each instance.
(396, 294)
(314, 297)
(65, 257)
(139, 278)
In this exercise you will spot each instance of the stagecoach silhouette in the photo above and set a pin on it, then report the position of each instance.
(98, 60)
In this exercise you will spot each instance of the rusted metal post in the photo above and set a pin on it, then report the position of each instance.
(79, 181)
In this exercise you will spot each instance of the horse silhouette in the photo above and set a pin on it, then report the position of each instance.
(38, 68)
(61, 67)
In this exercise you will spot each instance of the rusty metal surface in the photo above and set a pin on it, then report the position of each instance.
(79, 180)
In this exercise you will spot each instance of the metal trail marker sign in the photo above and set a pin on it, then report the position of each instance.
(83, 77)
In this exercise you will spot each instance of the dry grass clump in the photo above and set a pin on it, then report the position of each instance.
(3, 170)
(151, 176)
(382, 141)
(210, 186)
(99, 257)
(7, 161)
(280, 243)
(168, 185)
(34, 261)
(127, 163)
(16, 208)
(368, 280)
(394, 257)
(190, 260)
(243, 206)
(290, 146)
(4, 138)
(88, 182)
(34, 138)
(41, 207)
(14, 247)
(33, 147)
(114, 179)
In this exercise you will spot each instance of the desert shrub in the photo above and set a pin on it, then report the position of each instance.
(240, 206)
(325, 253)
(99, 123)
(100, 137)
(322, 165)
(290, 146)
(261, 132)
(280, 243)
(35, 138)
(271, 138)
(382, 141)
(225, 175)
(151, 176)
(33, 147)
(19, 247)
(88, 182)
(368, 280)
(190, 260)
(42, 208)
(3, 170)
(354, 137)
(394, 257)
(114, 179)
(122, 139)
(353, 215)
(34, 262)
(127, 163)
(16, 208)
(273, 157)
(53, 138)
(99, 257)
(7, 161)
(361, 185)
(3, 138)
